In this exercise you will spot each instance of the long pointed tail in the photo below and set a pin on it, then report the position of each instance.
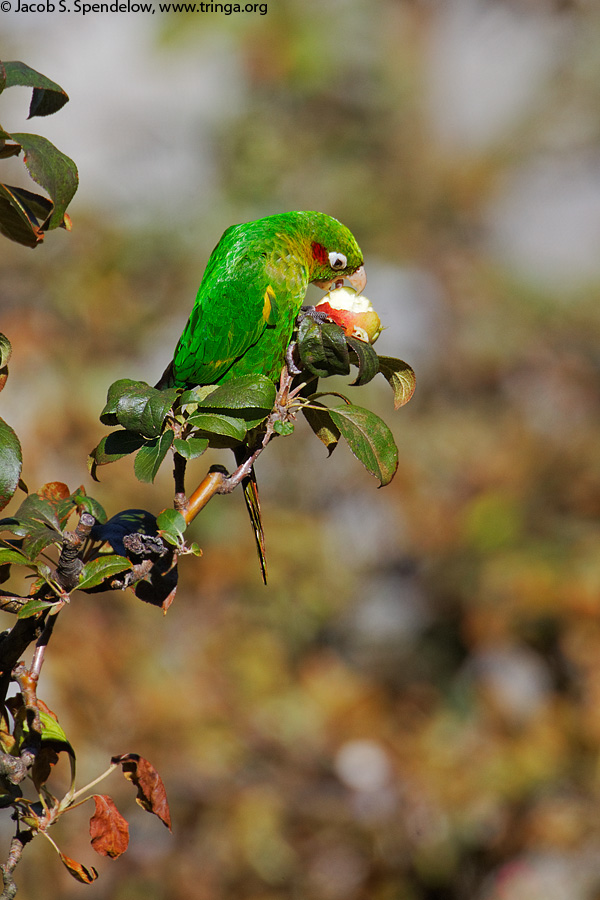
(250, 488)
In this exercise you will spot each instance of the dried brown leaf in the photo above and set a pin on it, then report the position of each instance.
(151, 794)
(78, 870)
(109, 831)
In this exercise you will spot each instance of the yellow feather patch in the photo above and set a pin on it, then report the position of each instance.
(267, 307)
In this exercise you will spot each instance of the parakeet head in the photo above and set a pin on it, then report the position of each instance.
(334, 254)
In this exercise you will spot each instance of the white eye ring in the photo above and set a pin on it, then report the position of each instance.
(337, 260)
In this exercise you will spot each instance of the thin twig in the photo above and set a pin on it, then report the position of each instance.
(14, 856)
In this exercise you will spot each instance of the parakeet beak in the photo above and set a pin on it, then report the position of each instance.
(358, 280)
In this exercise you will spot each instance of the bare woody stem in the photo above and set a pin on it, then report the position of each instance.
(7, 868)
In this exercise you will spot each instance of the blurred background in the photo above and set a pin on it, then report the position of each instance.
(411, 709)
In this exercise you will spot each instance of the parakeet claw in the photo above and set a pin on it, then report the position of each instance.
(289, 359)
(312, 313)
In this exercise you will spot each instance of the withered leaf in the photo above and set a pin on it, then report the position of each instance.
(151, 794)
(45, 758)
(109, 831)
(78, 870)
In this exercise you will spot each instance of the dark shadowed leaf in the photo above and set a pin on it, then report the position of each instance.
(52, 170)
(366, 359)
(11, 462)
(78, 870)
(98, 570)
(369, 438)
(401, 378)
(323, 426)
(109, 831)
(151, 794)
(45, 759)
(322, 348)
(118, 390)
(137, 407)
(112, 447)
(47, 98)
(20, 220)
(128, 521)
(150, 457)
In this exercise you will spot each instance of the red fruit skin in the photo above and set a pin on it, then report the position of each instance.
(350, 321)
(342, 317)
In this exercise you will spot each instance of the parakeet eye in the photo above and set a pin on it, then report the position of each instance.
(337, 260)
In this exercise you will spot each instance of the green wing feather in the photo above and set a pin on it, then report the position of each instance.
(245, 308)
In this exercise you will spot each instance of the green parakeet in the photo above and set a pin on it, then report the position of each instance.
(252, 290)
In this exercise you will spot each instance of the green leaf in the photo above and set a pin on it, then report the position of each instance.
(5, 350)
(150, 457)
(190, 448)
(215, 423)
(11, 462)
(283, 428)
(47, 98)
(40, 520)
(33, 607)
(250, 392)
(12, 556)
(21, 215)
(52, 170)
(171, 525)
(369, 439)
(98, 570)
(366, 358)
(137, 407)
(322, 348)
(112, 447)
(89, 505)
(51, 730)
(400, 377)
(323, 426)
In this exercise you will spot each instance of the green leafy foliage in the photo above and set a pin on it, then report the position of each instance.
(251, 394)
(101, 569)
(171, 526)
(26, 216)
(47, 97)
(150, 457)
(154, 421)
(11, 462)
(136, 406)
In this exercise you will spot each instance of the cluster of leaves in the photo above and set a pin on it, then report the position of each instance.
(245, 410)
(21, 729)
(126, 550)
(26, 216)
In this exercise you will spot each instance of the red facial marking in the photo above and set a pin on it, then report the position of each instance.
(319, 253)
